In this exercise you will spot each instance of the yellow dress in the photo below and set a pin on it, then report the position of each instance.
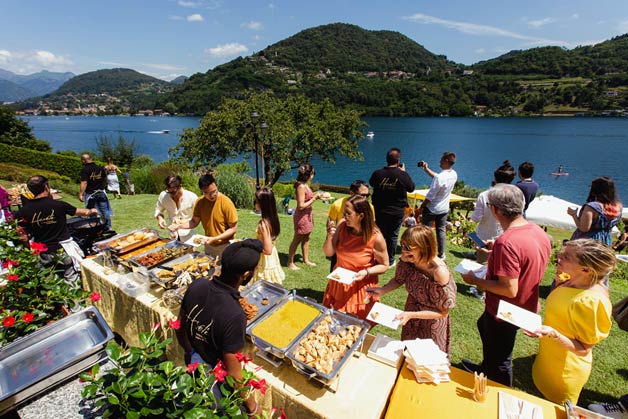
(578, 314)
(269, 266)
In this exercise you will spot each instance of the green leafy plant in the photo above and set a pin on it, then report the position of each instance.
(141, 384)
(458, 233)
(31, 296)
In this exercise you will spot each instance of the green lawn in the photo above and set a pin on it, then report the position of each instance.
(609, 378)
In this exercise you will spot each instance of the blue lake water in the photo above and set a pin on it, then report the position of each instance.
(586, 147)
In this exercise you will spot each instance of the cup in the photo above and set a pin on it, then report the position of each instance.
(480, 389)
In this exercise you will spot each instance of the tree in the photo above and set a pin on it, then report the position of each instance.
(299, 130)
(123, 153)
(17, 132)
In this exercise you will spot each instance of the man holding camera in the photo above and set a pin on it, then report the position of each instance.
(435, 206)
(391, 185)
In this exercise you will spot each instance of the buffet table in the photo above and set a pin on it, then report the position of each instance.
(361, 391)
(454, 399)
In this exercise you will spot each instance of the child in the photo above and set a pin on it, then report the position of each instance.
(268, 228)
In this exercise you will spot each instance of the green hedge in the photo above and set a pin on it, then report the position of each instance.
(64, 165)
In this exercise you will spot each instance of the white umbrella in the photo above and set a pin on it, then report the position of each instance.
(548, 210)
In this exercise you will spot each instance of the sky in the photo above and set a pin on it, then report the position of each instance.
(169, 38)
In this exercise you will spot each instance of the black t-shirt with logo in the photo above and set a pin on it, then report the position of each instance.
(45, 219)
(390, 190)
(95, 176)
(215, 321)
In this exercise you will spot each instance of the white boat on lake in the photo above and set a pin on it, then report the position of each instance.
(370, 135)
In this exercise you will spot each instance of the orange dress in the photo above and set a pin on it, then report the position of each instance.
(353, 254)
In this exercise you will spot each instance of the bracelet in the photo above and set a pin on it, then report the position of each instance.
(251, 412)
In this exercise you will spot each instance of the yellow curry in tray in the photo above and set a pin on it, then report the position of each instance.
(285, 324)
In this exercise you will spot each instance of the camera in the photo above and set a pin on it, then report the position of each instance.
(421, 164)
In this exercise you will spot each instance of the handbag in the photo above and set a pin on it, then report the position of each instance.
(620, 313)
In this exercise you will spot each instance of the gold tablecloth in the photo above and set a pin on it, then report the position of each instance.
(454, 399)
(361, 391)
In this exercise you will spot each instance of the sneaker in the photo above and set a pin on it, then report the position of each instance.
(613, 410)
(477, 294)
(393, 264)
(470, 366)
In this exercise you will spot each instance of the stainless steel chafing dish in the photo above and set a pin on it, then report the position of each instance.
(172, 245)
(124, 242)
(168, 266)
(31, 365)
(343, 321)
(273, 316)
(259, 291)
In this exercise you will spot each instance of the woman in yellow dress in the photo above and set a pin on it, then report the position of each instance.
(269, 267)
(577, 316)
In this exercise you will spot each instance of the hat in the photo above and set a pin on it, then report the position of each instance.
(240, 257)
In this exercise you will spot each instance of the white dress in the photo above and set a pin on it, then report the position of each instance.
(113, 184)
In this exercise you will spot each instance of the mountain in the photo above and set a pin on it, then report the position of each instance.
(179, 80)
(112, 82)
(36, 84)
(11, 92)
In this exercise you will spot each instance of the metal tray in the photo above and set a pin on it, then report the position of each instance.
(169, 245)
(107, 244)
(50, 355)
(257, 291)
(344, 320)
(269, 348)
(153, 273)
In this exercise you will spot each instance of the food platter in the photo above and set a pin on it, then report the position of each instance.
(197, 265)
(279, 327)
(264, 295)
(161, 255)
(325, 361)
(126, 242)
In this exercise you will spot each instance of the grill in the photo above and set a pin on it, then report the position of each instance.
(87, 231)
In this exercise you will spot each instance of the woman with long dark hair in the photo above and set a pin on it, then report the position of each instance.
(599, 214)
(302, 217)
(360, 247)
(268, 229)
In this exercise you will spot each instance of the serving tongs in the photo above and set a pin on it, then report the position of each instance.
(334, 326)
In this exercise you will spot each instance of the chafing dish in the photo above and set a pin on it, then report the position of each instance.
(169, 251)
(343, 321)
(127, 242)
(261, 292)
(166, 274)
(33, 364)
(282, 319)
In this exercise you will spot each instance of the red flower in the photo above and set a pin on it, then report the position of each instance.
(9, 263)
(192, 367)
(283, 415)
(174, 324)
(37, 248)
(94, 296)
(28, 317)
(259, 385)
(220, 372)
(8, 321)
(12, 278)
(243, 358)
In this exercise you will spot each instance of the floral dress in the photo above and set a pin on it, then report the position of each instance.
(426, 294)
(601, 228)
(303, 221)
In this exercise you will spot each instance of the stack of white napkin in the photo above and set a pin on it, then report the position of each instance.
(425, 359)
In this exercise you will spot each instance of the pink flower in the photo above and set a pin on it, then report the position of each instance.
(12, 278)
(28, 317)
(155, 326)
(94, 296)
(243, 358)
(174, 324)
(283, 415)
(259, 385)
(8, 321)
(220, 372)
(9, 263)
(37, 248)
(192, 367)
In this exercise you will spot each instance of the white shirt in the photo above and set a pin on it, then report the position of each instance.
(440, 190)
(183, 213)
(488, 227)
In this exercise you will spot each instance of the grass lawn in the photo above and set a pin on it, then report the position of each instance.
(609, 378)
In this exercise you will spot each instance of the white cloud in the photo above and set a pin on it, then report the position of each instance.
(200, 4)
(227, 50)
(195, 18)
(480, 50)
(5, 56)
(166, 67)
(114, 63)
(622, 27)
(537, 23)
(253, 25)
(48, 59)
(272, 6)
(174, 17)
(575, 16)
(188, 3)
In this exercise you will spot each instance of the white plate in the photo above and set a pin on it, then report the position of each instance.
(518, 316)
(510, 406)
(466, 266)
(384, 315)
(342, 275)
(190, 241)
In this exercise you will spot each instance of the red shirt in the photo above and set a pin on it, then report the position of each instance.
(520, 252)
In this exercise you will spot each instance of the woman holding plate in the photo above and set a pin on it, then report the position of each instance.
(359, 247)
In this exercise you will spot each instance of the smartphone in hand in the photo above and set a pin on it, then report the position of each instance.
(477, 240)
